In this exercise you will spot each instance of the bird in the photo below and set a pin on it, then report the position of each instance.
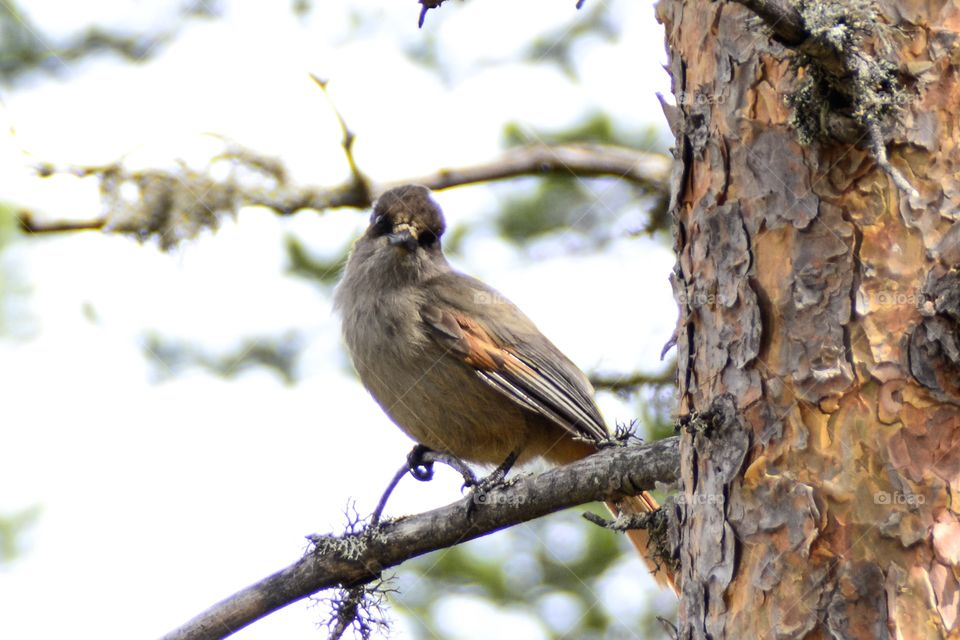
(456, 365)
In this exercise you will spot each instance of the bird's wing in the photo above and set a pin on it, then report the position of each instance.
(511, 355)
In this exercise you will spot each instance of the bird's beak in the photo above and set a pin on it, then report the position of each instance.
(403, 237)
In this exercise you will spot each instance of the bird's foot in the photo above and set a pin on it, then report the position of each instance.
(496, 480)
(419, 467)
(420, 462)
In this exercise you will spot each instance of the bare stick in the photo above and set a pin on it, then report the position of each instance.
(879, 148)
(422, 457)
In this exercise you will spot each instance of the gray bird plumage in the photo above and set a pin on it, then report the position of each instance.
(457, 366)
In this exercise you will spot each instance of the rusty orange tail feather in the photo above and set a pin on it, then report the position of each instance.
(570, 450)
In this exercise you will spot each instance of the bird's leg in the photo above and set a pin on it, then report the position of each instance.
(482, 488)
(500, 473)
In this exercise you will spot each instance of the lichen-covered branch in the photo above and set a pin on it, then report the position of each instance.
(831, 38)
(358, 557)
(173, 206)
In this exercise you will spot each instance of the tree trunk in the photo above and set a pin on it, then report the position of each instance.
(819, 336)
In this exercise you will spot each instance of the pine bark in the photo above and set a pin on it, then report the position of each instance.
(819, 336)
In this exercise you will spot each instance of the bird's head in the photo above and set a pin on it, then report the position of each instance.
(405, 230)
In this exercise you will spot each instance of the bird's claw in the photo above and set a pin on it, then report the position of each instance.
(496, 480)
(420, 469)
(489, 482)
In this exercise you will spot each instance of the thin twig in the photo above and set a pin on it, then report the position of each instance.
(630, 382)
(28, 225)
(421, 456)
(879, 148)
(360, 182)
(624, 521)
(397, 477)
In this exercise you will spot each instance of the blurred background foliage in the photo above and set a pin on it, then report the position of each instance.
(14, 531)
(561, 571)
(23, 50)
(578, 580)
(559, 204)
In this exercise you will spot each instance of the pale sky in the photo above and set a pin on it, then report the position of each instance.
(159, 499)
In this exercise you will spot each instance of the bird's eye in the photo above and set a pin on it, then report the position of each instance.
(381, 225)
(427, 239)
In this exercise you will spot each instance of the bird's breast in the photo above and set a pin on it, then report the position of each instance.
(431, 394)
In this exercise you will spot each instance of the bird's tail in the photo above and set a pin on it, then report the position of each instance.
(644, 503)
(570, 450)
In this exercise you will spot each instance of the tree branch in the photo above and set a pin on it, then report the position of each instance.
(28, 224)
(356, 558)
(650, 171)
(631, 381)
(781, 16)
